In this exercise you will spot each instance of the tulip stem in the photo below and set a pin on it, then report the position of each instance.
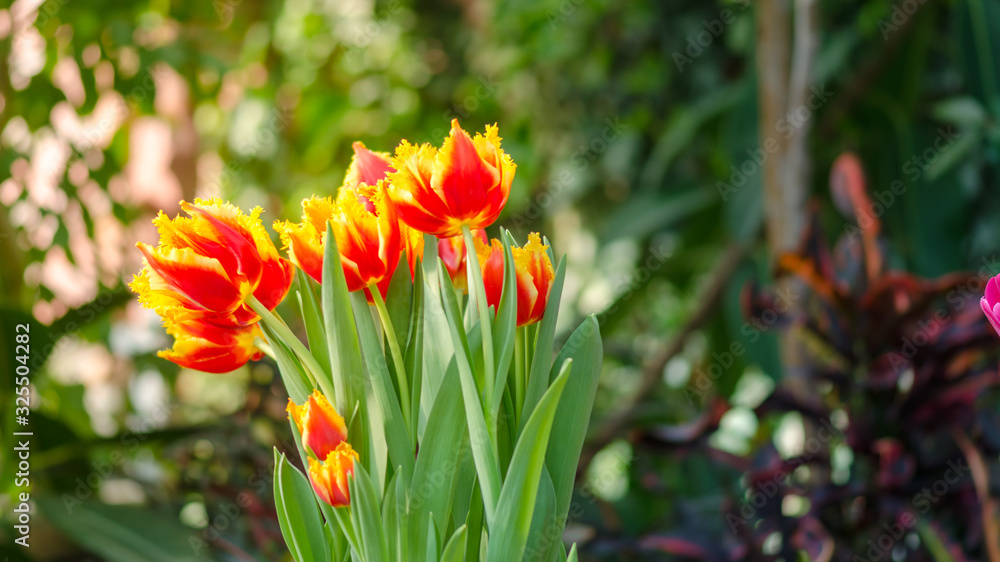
(485, 323)
(264, 347)
(314, 372)
(394, 350)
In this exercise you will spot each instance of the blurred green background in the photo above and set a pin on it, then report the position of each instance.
(626, 120)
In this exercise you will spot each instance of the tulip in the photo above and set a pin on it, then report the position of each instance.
(321, 427)
(367, 167)
(452, 253)
(367, 233)
(465, 183)
(413, 246)
(990, 303)
(533, 272)
(329, 478)
(208, 264)
(209, 348)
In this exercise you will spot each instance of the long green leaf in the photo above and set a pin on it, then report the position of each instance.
(442, 451)
(366, 516)
(342, 338)
(291, 370)
(399, 299)
(415, 355)
(541, 360)
(298, 515)
(543, 537)
(454, 551)
(312, 317)
(509, 531)
(570, 428)
(483, 452)
(386, 401)
(438, 350)
(504, 329)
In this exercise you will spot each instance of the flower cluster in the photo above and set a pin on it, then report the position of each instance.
(216, 273)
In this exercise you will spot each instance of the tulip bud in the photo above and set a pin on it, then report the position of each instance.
(329, 478)
(321, 427)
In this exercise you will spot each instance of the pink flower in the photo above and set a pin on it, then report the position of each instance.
(990, 303)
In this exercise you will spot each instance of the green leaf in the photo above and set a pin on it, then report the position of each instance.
(454, 551)
(483, 452)
(292, 373)
(504, 329)
(444, 447)
(366, 516)
(438, 350)
(386, 401)
(394, 528)
(124, 534)
(509, 530)
(545, 535)
(541, 360)
(298, 515)
(572, 554)
(569, 430)
(414, 356)
(341, 336)
(312, 317)
(399, 299)
(431, 549)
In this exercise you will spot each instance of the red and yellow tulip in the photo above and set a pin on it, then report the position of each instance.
(321, 427)
(199, 277)
(207, 264)
(213, 349)
(533, 272)
(465, 183)
(364, 223)
(368, 240)
(452, 253)
(329, 477)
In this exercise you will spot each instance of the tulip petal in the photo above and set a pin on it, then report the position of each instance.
(211, 349)
(367, 167)
(199, 279)
(461, 176)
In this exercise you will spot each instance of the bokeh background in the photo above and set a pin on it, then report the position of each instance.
(674, 150)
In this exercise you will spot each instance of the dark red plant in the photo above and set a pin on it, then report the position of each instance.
(901, 368)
